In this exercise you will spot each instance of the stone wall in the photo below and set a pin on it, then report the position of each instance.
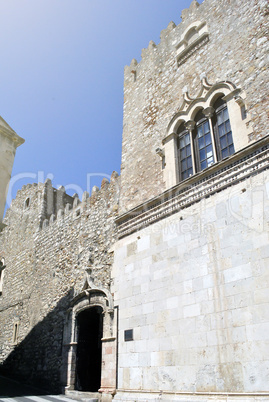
(193, 287)
(190, 269)
(47, 247)
(9, 141)
(189, 277)
(236, 51)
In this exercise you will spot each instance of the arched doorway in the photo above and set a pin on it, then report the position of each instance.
(89, 349)
(89, 343)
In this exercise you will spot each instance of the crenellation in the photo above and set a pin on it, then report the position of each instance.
(76, 201)
(95, 190)
(187, 12)
(68, 207)
(60, 214)
(57, 257)
(104, 184)
(45, 224)
(52, 219)
(166, 32)
(196, 46)
(85, 196)
(152, 45)
(47, 204)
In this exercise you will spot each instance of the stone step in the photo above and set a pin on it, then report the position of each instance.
(83, 396)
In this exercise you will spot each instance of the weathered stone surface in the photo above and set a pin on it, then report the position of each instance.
(192, 288)
(237, 51)
(9, 142)
(183, 265)
(46, 269)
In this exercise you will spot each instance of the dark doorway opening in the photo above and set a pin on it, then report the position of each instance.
(89, 349)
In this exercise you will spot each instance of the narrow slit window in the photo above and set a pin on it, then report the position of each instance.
(27, 203)
(2, 270)
(15, 333)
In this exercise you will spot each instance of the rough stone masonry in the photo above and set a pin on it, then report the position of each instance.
(169, 274)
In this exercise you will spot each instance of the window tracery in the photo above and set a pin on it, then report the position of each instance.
(204, 140)
(207, 129)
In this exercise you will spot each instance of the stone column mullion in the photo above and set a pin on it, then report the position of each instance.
(190, 126)
(192, 152)
(208, 112)
(213, 139)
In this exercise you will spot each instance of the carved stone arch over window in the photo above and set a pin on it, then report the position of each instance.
(90, 323)
(207, 129)
(195, 36)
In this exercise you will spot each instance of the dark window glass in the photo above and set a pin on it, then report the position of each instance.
(203, 142)
(223, 132)
(128, 335)
(188, 150)
(184, 153)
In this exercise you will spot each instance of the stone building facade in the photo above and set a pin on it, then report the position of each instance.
(156, 286)
(9, 141)
(57, 247)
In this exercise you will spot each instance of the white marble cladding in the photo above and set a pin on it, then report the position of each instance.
(188, 397)
(226, 173)
(194, 289)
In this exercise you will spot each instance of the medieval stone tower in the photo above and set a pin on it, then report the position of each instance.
(155, 287)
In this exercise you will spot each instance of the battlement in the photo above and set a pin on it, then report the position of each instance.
(168, 37)
(173, 71)
(41, 205)
(58, 205)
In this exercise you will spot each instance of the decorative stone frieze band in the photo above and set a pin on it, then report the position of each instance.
(192, 49)
(226, 173)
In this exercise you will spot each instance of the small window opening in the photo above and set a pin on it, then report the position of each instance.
(243, 112)
(128, 335)
(15, 333)
(2, 268)
(77, 213)
(27, 203)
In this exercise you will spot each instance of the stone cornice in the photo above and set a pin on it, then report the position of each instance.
(243, 164)
(2, 226)
(7, 131)
(169, 137)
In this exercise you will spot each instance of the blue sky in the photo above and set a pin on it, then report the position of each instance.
(61, 82)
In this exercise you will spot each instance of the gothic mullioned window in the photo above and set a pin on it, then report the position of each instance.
(204, 140)
(207, 128)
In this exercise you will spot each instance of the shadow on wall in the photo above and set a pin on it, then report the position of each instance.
(38, 359)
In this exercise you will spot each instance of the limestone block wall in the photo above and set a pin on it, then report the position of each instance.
(47, 252)
(9, 141)
(194, 289)
(235, 49)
